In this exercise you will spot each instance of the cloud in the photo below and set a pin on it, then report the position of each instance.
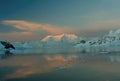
(36, 31)
(22, 36)
(33, 27)
(31, 31)
(105, 25)
(99, 28)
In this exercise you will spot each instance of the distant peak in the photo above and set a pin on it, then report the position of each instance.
(59, 37)
(114, 33)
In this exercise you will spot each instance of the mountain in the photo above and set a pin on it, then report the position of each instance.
(64, 37)
(60, 41)
(109, 42)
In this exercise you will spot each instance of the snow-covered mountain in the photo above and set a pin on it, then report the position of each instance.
(60, 41)
(109, 42)
(61, 37)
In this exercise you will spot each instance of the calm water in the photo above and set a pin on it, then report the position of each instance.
(60, 67)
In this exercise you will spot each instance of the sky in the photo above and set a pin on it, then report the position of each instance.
(23, 20)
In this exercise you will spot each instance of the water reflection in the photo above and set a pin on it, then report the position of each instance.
(115, 58)
(26, 66)
(6, 54)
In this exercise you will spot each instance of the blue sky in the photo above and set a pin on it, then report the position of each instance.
(82, 17)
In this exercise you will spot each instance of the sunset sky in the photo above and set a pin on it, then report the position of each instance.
(23, 20)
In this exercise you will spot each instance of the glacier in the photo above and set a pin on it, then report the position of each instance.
(69, 43)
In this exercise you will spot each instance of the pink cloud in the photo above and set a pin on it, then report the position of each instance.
(33, 27)
(39, 31)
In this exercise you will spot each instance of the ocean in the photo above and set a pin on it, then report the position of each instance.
(60, 67)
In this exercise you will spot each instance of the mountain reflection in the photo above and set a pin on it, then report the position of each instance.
(33, 64)
(30, 64)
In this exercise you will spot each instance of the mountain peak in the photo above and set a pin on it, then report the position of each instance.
(59, 37)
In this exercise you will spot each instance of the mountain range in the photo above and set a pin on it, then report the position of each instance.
(109, 42)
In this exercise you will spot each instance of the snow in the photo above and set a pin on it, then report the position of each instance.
(109, 42)
(60, 41)
(63, 42)
(67, 37)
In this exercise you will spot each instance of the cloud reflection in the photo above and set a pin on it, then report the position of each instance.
(28, 65)
(38, 64)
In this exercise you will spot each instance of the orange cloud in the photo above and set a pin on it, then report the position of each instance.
(36, 30)
(28, 26)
